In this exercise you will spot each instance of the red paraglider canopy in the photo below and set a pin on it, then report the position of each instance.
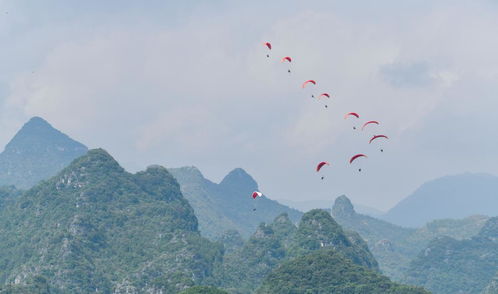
(320, 165)
(324, 95)
(355, 157)
(256, 194)
(287, 58)
(307, 82)
(376, 137)
(267, 44)
(369, 122)
(351, 114)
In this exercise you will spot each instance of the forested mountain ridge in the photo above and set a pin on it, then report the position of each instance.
(228, 205)
(95, 227)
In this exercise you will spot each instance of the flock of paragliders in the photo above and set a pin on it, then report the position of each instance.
(349, 115)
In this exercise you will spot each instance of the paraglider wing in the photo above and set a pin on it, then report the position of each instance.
(324, 95)
(351, 114)
(308, 82)
(256, 194)
(355, 157)
(368, 123)
(320, 165)
(267, 44)
(376, 137)
(287, 58)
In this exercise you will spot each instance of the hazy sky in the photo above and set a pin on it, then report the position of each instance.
(188, 83)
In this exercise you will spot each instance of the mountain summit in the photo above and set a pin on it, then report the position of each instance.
(37, 152)
(455, 197)
(96, 226)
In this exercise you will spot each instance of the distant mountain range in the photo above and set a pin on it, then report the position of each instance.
(317, 256)
(96, 228)
(228, 205)
(37, 152)
(454, 197)
(307, 205)
(448, 266)
(394, 246)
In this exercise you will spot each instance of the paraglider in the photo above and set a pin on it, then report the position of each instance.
(309, 82)
(327, 95)
(368, 123)
(256, 194)
(352, 114)
(377, 137)
(287, 59)
(268, 45)
(320, 165)
(356, 157)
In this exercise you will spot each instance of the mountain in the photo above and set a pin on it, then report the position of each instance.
(244, 269)
(394, 246)
(307, 205)
(456, 196)
(492, 287)
(328, 271)
(96, 228)
(228, 205)
(37, 152)
(458, 266)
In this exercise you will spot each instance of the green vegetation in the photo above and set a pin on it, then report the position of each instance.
(243, 270)
(95, 226)
(203, 290)
(328, 271)
(37, 152)
(458, 266)
(37, 285)
(228, 205)
(394, 246)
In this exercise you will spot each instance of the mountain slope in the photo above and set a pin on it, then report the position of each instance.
(327, 271)
(95, 226)
(456, 196)
(394, 246)
(244, 269)
(452, 266)
(228, 205)
(37, 152)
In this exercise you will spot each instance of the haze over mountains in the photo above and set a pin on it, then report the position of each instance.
(95, 226)
(228, 205)
(456, 196)
(37, 152)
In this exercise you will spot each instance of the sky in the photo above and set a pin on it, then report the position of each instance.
(182, 83)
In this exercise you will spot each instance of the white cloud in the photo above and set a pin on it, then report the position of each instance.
(202, 91)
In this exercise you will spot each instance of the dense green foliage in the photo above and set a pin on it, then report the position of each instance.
(453, 197)
(95, 226)
(36, 285)
(328, 271)
(37, 152)
(228, 205)
(458, 266)
(394, 246)
(244, 269)
(203, 290)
